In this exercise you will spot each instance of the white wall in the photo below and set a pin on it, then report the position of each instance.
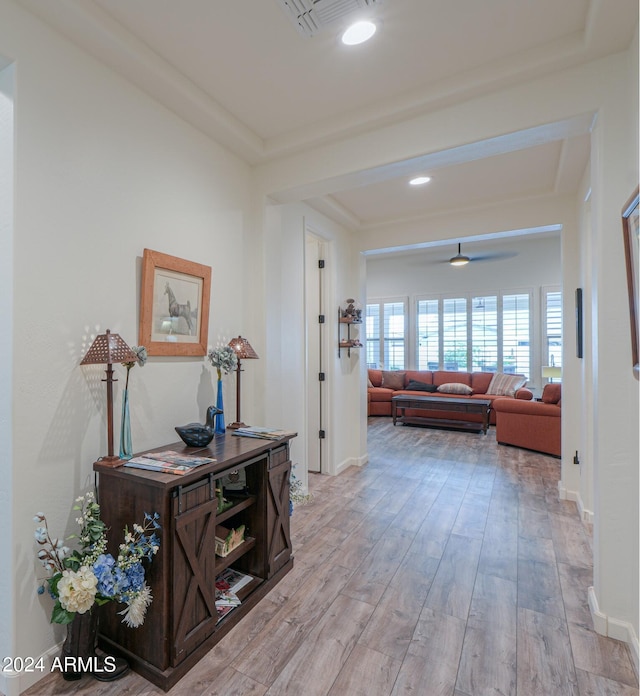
(102, 172)
(615, 414)
(285, 330)
(7, 580)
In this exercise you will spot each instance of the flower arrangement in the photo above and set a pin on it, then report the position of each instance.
(296, 494)
(141, 359)
(223, 359)
(89, 575)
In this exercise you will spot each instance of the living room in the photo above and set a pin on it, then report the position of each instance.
(100, 165)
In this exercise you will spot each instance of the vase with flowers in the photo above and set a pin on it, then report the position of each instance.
(81, 580)
(126, 446)
(224, 360)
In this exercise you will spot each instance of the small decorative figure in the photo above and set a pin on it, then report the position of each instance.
(197, 435)
(350, 311)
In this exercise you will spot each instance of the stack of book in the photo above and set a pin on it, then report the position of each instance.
(168, 462)
(228, 584)
(263, 433)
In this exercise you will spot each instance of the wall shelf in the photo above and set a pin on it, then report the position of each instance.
(347, 341)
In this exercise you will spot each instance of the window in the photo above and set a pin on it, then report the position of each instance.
(454, 333)
(484, 334)
(552, 329)
(428, 319)
(479, 333)
(386, 329)
(372, 330)
(516, 354)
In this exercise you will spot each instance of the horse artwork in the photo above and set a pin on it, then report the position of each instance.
(179, 310)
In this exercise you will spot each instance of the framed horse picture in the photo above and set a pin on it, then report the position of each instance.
(174, 305)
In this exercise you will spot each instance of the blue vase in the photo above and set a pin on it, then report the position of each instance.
(126, 447)
(219, 429)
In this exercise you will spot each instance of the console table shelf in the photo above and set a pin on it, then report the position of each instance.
(182, 623)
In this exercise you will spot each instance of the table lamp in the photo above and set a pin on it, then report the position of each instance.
(107, 349)
(243, 350)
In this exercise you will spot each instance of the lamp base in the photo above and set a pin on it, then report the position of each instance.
(236, 425)
(111, 462)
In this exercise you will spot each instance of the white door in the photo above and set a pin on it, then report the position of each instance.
(314, 352)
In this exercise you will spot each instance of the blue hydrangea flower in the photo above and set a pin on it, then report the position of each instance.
(135, 577)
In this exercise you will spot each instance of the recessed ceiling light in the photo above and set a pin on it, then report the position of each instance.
(358, 33)
(419, 180)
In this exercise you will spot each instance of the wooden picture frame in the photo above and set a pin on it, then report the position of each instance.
(630, 231)
(174, 305)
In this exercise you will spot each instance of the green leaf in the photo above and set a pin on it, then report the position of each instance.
(60, 615)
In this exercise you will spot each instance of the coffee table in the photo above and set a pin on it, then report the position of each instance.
(401, 402)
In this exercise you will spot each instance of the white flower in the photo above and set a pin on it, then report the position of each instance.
(77, 590)
(137, 608)
(40, 535)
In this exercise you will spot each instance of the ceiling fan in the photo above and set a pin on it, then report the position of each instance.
(461, 259)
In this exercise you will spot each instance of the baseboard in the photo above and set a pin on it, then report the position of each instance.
(585, 515)
(615, 628)
(14, 683)
(351, 461)
(565, 494)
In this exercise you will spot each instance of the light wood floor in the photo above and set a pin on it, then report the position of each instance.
(446, 566)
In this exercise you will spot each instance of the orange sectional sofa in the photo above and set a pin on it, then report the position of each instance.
(533, 425)
(379, 395)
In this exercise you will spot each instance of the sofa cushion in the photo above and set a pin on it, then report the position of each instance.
(420, 386)
(480, 381)
(380, 394)
(376, 377)
(393, 379)
(369, 384)
(505, 385)
(424, 376)
(552, 393)
(455, 388)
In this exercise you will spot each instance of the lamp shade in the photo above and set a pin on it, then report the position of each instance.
(108, 348)
(551, 372)
(242, 348)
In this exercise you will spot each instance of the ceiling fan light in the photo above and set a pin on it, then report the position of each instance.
(459, 260)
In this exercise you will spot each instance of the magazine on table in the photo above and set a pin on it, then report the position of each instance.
(262, 432)
(156, 465)
(168, 462)
(172, 457)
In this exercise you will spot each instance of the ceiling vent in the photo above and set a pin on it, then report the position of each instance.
(312, 16)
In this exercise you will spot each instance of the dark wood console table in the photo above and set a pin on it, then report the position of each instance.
(441, 403)
(182, 623)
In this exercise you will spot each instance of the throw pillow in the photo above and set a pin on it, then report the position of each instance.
(506, 385)
(393, 380)
(455, 388)
(369, 384)
(414, 385)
